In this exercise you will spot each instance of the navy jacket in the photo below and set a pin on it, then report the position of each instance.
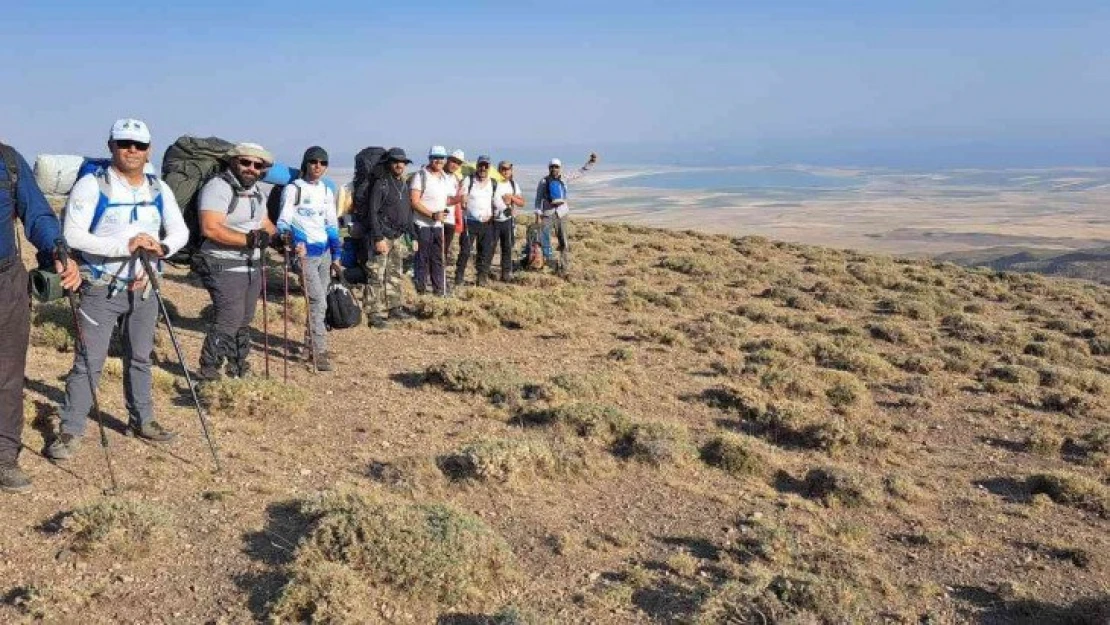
(40, 224)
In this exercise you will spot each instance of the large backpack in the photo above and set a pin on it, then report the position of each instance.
(533, 252)
(370, 165)
(187, 165)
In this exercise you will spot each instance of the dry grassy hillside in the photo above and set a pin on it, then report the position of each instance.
(696, 429)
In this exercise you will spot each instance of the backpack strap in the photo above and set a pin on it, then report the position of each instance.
(11, 163)
(103, 202)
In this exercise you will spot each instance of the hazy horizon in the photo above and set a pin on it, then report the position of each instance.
(944, 83)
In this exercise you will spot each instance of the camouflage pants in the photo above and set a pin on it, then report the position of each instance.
(383, 280)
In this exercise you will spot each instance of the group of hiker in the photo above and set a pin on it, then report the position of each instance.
(121, 222)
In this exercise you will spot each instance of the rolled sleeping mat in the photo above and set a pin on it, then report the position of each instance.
(46, 286)
(56, 173)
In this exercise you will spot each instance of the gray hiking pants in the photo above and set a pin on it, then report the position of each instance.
(98, 315)
(317, 275)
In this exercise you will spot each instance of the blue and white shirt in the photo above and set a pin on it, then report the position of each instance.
(311, 217)
(130, 211)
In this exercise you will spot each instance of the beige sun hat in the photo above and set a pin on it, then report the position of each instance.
(252, 150)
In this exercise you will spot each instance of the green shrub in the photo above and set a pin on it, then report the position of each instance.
(599, 422)
(834, 485)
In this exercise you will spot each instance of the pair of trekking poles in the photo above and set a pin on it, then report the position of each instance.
(62, 255)
(285, 314)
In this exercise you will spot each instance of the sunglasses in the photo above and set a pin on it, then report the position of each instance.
(504, 169)
(318, 162)
(127, 144)
(256, 165)
(483, 165)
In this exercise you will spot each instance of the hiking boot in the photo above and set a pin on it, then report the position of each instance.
(482, 280)
(399, 314)
(151, 431)
(206, 373)
(378, 322)
(14, 480)
(63, 447)
(322, 362)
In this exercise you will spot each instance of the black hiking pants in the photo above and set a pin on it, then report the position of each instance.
(15, 319)
(502, 238)
(480, 233)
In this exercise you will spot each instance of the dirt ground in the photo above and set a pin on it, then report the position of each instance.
(921, 443)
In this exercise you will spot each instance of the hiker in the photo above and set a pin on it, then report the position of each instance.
(508, 198)
(478, 196)
(111, 217)
(552, 208)
(20, 197)
(389, 218)
(430, 190)
(308, 218)
(453, 219)
(235, 229)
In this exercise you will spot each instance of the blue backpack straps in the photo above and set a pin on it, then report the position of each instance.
(103, 203)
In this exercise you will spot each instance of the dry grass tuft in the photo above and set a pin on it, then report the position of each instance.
(733, 455)
(597, 422)
(656, 443)
(252, 397)
(1072, 490)
(125, 528)
(431, 555)
(503, 460)
(493, 379)
(834, 485)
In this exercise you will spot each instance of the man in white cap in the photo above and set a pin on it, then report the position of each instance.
(453, 220)
(235, 228)
(431, 189)
(111, 216)
(552, 208)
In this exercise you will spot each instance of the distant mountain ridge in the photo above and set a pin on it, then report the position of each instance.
(1088, 264)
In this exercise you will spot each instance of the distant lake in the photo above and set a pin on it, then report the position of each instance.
(738, 180)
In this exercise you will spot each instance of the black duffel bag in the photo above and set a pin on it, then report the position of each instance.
(343, 311)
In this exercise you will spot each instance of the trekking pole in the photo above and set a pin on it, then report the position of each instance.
(61, 254)
(264, 257)
(285, 315)
(153, 277)
(308, 314)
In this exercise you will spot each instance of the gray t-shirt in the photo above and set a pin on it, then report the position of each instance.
(250, 210)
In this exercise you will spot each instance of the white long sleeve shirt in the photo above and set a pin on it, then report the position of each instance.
(130, 211)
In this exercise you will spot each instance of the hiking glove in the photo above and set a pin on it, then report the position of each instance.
(258, 238)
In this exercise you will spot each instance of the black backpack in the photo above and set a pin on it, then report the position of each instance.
(343, 311)
(370, 165)
(187, 165)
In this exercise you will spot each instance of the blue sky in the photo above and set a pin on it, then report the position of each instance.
(940, 83)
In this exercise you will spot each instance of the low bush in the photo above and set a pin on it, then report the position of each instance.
(252, 397)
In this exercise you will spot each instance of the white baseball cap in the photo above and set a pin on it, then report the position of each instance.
(129, 129)
(437, 151)
(459, 156)
(555, 163)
